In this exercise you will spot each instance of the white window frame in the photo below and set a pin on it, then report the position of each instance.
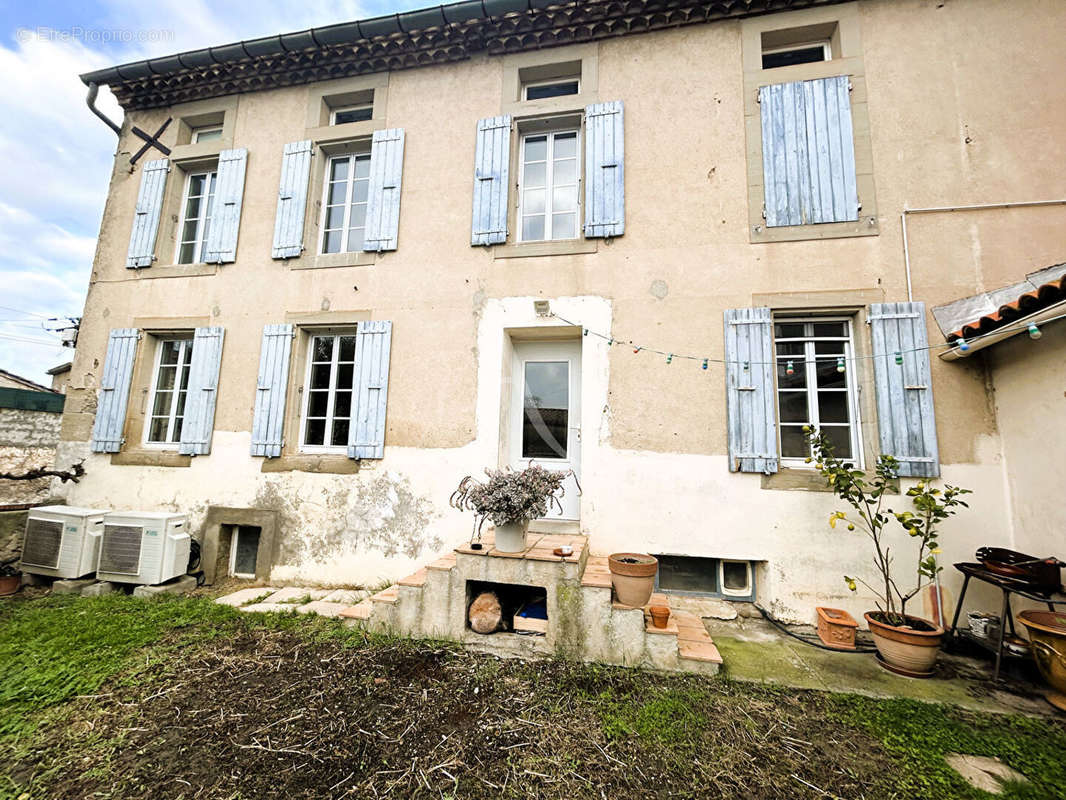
(810, 365)
(351, 158)
(198, 133)
(551, 82)
(549, 184)
(184, 358)
(333, 112)
(203, 220)
(827, 50)
(334, 334)
(233, 554)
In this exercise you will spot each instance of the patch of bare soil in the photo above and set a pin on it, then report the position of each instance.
(267, 714)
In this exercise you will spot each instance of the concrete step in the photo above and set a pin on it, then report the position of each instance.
(360, 612)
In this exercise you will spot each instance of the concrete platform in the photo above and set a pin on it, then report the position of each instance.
(183, 584)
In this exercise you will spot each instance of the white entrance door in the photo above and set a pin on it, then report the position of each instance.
(545, 416)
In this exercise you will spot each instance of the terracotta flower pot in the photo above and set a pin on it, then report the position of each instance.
(633, 577)
(911, 650)
(9, 584)
(836, 628)
(511, 538)
(660, 616)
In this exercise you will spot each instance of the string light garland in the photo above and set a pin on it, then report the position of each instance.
(962, 344)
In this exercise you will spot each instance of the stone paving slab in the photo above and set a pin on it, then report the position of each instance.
(179, 585)
(322, 608)
(242, 596)
(293, 594)
(347, 596)
(263, 608)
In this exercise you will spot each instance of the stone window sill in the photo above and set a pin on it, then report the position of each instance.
(150, 458)
(804, 480)
(177, 271)
(324, 464)
(538, 249)
(865, 226)
(333, 260)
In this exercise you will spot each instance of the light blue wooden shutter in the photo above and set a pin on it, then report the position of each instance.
(366, 434)
(383, 193)
(292, 200)
(605, 175)
(905, 416)
(114, 390)
(199, 421)
(221, 245)
(268, 422)
(491, 166)
(749, 373)
(146, 215)
(808, 153)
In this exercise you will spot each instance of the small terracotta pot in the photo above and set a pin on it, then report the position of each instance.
(633, 577)
(9, 584)
(912, 650)
(836, 628)
(660, 616)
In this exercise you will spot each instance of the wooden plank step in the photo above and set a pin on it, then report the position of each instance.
(416, 579)
(358, 611)
(387, 595)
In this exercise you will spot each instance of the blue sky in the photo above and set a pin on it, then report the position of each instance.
(56, 157)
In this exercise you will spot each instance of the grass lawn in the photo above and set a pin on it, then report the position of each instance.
(115, 697)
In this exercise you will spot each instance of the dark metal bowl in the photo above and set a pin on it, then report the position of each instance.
(1039, 573)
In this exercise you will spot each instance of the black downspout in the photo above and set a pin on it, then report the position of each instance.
(91, 102)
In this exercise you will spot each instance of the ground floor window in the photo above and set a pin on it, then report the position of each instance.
(170, 383)
(327, 406)
(816, 386)
(243, 551)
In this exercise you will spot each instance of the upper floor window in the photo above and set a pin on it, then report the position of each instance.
(170, 384)
(815, 386)
(542, 90)
(328, 397)
(208, 133)
(344, 205)
(548, 186)
(196, 208)
(803, 53)
(356, 113)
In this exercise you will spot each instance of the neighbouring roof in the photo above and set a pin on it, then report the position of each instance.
(59, 370)
(24, 383)
(988, 311)
(435, 35)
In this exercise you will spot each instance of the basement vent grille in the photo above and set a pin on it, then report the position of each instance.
(120, 550)
(43, 539)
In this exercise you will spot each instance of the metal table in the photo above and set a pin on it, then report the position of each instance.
(1008, 586)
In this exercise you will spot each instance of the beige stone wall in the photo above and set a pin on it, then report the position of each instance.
(27, 441)
(950, 123)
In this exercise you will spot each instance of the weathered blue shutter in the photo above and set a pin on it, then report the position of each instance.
(268, 422)
(749, 374)
(905, 416)
(808, 153)
(221, 245)
(146, 216)
(366, 434)
(491, 166)
(292, 200)
(114, 390)
(605, 172)
(383, 193)
(199, 420)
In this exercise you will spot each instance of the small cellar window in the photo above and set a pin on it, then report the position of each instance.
(713, 577)
(244, 551)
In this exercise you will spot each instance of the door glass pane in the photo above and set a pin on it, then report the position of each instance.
(793, 407)
(793, 444)
(833, 406)
(545, 416)
(340, 433)
(839, 439)
(247, 545)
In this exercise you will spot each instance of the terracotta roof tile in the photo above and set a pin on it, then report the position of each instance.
(1045, 295)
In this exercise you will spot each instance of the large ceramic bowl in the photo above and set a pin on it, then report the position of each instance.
(1047, 634)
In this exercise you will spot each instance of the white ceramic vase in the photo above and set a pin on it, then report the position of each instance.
(511, 538)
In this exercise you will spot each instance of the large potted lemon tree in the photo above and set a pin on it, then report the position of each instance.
(905, 643)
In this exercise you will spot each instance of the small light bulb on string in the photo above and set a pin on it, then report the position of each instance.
(1034, 332)
(636, 349)
(964, 346)
(610, 342)
(840, 365)
(705, 363)
(747, 366)
(899, 358)
(584, 331)
(669, 358)
(789, 369)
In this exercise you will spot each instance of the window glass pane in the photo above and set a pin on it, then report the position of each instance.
(788, 330)
(339, 169)
(317, 403)
(170, 352)
(534, 176)
(564, 226)
(362, 167)
(196, 185)
(786, 58)
(688, 573)
(338, 193)
(735, 575)
(793, 407)
(359, 191)
(247, 544)
(565, 145)
(340, 433)
(323, 349)
(828, 377)
(161, 406)
(830, 329)
(546, 412)
(315, 432)
(829, 348)
(356, 239)
(192, 210)
(833, 407)
(334, 217)
(186, 254)
(358, 217)
(798, 378)
(532, 229)
(347, 349)
(331, 243)
(175, 432)
(565, 172)
(165, 379)
(839, 439)
(207, 135)
(157, 430)
(560, 89)
(320, 376)
(180, 410)
(353, 115)
(564, 198)
(793, 444)
(536, 148)
(344, 376)
(342, 404)
(533, 202)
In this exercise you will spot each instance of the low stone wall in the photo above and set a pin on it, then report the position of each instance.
(28, 439)
(12, 524)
